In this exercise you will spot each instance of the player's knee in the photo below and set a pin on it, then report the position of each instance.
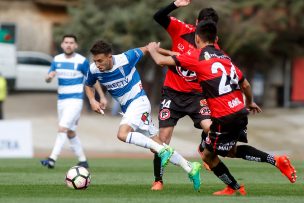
(205, 124)
(122, 136)
(165, 135)
(71, 134)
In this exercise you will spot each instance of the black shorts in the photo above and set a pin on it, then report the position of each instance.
(175, 105)
(223, 137)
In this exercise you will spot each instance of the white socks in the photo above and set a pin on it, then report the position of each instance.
(60, 140)
(77, 148)
(178, 160)
(143, 141)
(75, 145)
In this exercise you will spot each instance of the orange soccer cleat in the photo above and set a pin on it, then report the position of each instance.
(283, 163)
(157, 185)
(228, 191)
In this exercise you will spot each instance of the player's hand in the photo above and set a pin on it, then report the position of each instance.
(181, 3)
(254, 108)
(50, 76)
(48, 79)
(153, 46)
(96, 106)
(103, 102)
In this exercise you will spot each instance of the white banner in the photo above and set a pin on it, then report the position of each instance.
(16, 139)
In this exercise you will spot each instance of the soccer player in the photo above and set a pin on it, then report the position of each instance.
(70, 68)
(224, 85)
(120, 77)
(181, 94)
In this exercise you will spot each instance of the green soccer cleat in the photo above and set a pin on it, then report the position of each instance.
(165, 154)
(194, 175)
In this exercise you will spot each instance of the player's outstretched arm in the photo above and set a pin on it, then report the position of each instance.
(162, 15)
(144, 50)
(95, 105)
(167, 52)
(250, 104)
(159, 58)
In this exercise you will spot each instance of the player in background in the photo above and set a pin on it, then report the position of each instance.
(70, 68)
(224, 85)
(120, 77)
(181, 94)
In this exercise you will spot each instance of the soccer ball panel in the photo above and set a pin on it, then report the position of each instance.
(80, 182)
(83, 171)
(78, 177)
(69, 183)
(72, 173)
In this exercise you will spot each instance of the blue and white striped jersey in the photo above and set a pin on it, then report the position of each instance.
(123, 80)
(70, 73)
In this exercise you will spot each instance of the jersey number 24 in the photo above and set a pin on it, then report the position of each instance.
(227, 81)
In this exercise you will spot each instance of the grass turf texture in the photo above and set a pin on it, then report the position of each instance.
(129, 180)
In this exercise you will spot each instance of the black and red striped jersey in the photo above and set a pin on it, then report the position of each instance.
(183, 41)
(219, 78)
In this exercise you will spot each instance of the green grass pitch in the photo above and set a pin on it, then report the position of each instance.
(129, 180)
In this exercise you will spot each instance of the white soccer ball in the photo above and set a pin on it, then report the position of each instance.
(78, 177)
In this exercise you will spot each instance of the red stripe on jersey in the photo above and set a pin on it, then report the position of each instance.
(182, 36)
(226, 105)
(219, 78)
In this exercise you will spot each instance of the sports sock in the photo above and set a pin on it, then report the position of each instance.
(250, 153)
(60, 140)
(77, 148)
(158, 169)
(143, 141)
(222, 172)
(178, 160)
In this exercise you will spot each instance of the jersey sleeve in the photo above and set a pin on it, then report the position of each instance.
(53, 66)
(90, 79)
(85, 67)
(175, 27)
(133, 56)
(161, 16)
(187, 61)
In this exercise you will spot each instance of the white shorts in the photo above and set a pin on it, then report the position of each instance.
(138, 116)
(69, 112)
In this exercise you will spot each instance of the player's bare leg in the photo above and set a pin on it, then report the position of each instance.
(165, 135)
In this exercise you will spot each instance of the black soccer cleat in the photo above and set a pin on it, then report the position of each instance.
(50, 163)
(83, 164)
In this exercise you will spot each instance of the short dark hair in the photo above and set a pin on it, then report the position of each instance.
(207, 30)
(101, 47)
(69, 36)
(208, 14)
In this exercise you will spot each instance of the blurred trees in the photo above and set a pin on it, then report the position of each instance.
(255, 33)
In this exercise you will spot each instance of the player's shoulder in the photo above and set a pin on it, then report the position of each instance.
(120, 59)
(80, 58)
(211, 52)
(59, 57)
(93, 68)
(180, 23)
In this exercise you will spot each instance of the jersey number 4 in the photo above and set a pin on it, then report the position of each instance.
(227, 81)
